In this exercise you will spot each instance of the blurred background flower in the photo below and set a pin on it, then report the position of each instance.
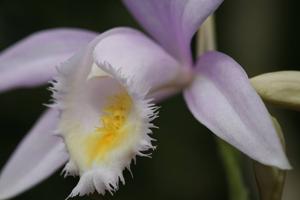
(261, 35)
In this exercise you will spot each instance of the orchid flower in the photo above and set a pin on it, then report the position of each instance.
(104, 96)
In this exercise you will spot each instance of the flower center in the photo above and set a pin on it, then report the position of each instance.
(114, 133)
(113, 129)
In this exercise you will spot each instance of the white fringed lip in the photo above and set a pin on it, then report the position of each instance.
(100, 145)
(106, 111)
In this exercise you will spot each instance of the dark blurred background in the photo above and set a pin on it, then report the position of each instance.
(262, 36)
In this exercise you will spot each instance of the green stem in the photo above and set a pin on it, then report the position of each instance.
(231, 162)
(206, 38)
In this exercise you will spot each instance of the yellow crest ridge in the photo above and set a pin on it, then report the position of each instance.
(112, 131)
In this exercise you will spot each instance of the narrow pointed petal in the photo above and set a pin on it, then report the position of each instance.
(173, 22)
(280, 88)
(222, 99)
(32, 61)
(39, 155)
(104, 94)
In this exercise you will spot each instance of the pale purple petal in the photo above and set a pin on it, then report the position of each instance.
(32, 61)
(139, 57)
(222, 99)
(173, 22)
(39, 155)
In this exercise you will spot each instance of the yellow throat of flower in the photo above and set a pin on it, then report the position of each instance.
(113, 128)
(111, 134)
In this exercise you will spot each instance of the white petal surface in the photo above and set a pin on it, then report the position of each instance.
(32, 61)
(38, 155)
(222, 99)
(173, 22)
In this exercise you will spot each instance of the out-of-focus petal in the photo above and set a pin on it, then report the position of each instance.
(32, 61)
(39, 155)
(281, 88)
(173, 22)
(106, 110)
(222, 99)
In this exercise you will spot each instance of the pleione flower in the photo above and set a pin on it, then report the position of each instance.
(104, 92)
